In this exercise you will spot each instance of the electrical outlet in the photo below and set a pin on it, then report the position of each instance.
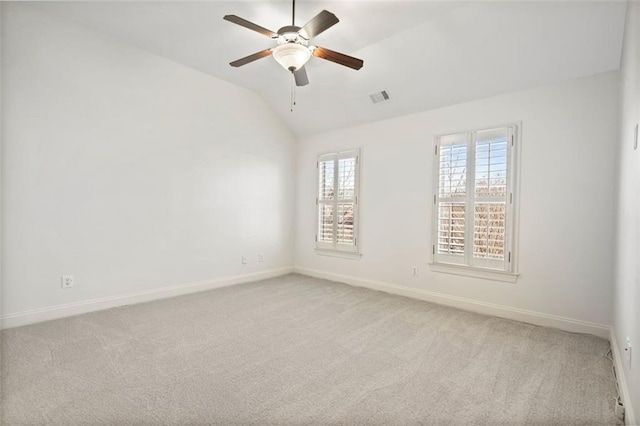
(627, 353)
(414, 271)
(244, 259)
(67, 281)
(261, 257)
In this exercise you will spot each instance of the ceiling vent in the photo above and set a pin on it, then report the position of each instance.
(379, 97)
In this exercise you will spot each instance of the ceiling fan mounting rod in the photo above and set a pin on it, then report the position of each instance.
(293, 14)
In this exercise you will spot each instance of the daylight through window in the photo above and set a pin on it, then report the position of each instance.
(337, 201)
(473, 199)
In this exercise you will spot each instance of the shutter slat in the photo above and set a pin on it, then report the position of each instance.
(489, 230)
(337, 174)
(346, 178)
(452, 170)
(471, 196)
(345, 225)
(325, 223)
(325, 179)
(491, 163)
(451, 228)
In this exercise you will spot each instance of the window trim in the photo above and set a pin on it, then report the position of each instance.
(510, 273)
(335, 249)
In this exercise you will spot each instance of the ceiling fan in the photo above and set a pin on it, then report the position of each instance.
(293, 50)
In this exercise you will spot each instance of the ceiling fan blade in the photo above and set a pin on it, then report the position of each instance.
(247, 24)
(301, 77)
(338, 58)
(250, 58)
(319, 23)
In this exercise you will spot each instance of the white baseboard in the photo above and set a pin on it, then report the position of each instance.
(77, 308)
(629, 414)
(537, 318)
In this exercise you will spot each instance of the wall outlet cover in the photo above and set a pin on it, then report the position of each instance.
(67, 281)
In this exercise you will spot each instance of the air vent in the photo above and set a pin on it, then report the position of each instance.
(379, 97)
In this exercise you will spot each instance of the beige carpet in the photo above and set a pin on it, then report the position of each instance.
(297, 350)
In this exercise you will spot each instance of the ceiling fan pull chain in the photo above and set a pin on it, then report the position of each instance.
(293, 91)
(293, 85)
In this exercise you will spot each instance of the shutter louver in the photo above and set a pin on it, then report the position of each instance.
(337, 195)
(345, 224)
(453, 166)
(490, 206)
(346, 197)
(491, 164)
(473, 198)
(325, 225)
(346, 178)
(452, 195)
(325, 181)
(451, 228)
(489, 230)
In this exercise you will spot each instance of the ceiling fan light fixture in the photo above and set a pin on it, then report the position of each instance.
(292, 56)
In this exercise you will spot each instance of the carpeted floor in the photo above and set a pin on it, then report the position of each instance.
(298, 350)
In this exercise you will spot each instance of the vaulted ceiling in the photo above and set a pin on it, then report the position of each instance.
(426, 54)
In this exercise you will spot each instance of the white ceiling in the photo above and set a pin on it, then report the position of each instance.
(426, 54)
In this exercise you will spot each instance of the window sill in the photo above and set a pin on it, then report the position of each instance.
(338, 253)
(468, 271)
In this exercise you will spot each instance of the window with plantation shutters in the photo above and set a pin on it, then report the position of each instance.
(474, 203)
(337, 202)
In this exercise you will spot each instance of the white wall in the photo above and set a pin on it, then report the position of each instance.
(129, 171)
(627, 294)
(567, 198)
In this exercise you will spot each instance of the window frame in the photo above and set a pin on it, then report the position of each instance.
(334, 248)
(467, 267)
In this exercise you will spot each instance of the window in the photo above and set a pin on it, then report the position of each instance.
(473, 227)
(337, 202)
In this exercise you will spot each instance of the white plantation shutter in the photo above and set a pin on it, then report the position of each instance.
(326, 195)
(490, 198)
(451, 232)
(452, 196)
(473, 201)
(337, 201)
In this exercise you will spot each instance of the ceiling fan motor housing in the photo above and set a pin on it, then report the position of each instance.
(291, 33)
